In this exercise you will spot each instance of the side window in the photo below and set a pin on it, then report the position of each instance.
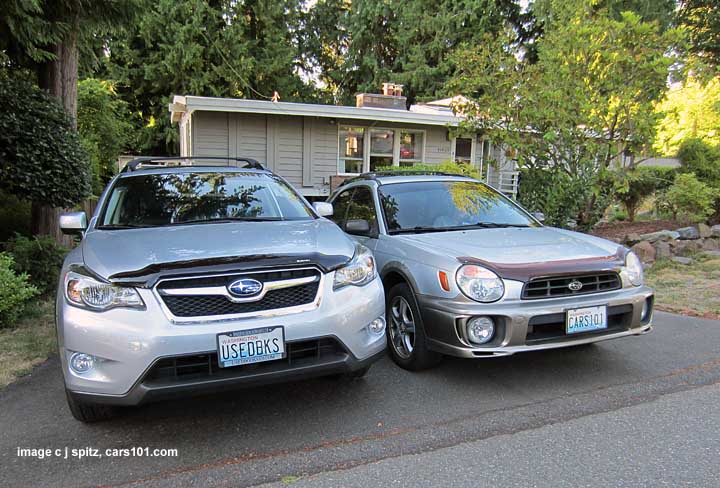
(363, 208)
(340, 208)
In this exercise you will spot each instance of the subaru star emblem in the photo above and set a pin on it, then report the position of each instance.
(245, 287)
(575, 285)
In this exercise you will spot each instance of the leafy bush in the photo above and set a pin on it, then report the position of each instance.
(14, 216)
(446, 167)
(688, 198)
(39, 257)
(702, 159)
(41, 158)
(634, 185)
(15, 291)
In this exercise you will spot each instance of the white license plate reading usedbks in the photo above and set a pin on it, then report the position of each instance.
(586, 319)
(250, 346)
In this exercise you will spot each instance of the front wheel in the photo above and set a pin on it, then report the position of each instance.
(406, 337)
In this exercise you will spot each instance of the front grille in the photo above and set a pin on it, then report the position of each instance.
(560, 286)
(196, 305)
(205, 366)
(551, 327)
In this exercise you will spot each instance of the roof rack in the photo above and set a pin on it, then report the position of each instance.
(379, 174)
(149, 162)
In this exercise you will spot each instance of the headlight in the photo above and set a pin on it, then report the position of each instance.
(480, 284)
(634, 269)
(87, 292)
(360, 271)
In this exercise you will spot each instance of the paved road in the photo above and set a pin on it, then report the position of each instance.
(565, 415)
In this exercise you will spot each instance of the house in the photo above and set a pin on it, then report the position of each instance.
(315, 146)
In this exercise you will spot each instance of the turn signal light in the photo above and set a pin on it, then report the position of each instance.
(444, 282)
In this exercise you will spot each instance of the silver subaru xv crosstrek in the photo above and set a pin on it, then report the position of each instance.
(469, 273)
(194, 279)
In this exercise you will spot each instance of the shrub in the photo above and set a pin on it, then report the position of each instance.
(15, 291)
(688, 198)
(703, 160)
(40, 258)
(14, 217)
(41, 159)
(635, 185)
(446, 167)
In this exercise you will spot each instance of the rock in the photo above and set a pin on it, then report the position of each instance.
(645, 251)
(661, 235)
(662, 250)
(710, 244)
(679, 260)
(712, 253)
(687, 247)
(715, 230)
(689, 233)
(632, 239)
(704, 231)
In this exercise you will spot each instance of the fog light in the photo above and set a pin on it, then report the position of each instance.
(377, 326)
(81, 362)
(480, 330)
(645, 313)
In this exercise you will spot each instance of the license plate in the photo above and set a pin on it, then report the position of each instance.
(250, 346)
(586, 319)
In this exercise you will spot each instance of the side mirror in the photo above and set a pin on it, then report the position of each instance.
(359, 227)
(323, 209)
(539, 216)
(73, 223)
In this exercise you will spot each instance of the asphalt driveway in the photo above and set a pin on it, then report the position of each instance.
(282, 432)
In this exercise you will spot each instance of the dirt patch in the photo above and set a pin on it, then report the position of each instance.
(618, 230)
(692, 289)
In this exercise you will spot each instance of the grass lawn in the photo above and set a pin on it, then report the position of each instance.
(29, 343)
(692, 289)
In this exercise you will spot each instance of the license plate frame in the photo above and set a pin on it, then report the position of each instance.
(595, 323)
(252, 335)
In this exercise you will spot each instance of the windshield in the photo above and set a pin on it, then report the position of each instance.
(434, 206)
(183, 198)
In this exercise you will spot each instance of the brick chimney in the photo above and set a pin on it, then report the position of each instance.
(391, 97)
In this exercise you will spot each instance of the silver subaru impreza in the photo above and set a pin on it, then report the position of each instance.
(469, 273)
(196, 279)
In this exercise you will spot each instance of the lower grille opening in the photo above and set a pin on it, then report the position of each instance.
(551, 327)
(205, 366)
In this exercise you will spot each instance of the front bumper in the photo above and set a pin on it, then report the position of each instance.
(131, 344)
(523, 325)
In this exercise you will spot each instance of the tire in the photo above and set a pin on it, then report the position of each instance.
(88, 412)
(405, 331)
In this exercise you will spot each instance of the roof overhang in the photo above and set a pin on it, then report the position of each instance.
(188, 104)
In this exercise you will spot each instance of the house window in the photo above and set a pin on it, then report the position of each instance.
(411, 148)
(351, 150)
(382, 143)
(382, 147)
(464, 150)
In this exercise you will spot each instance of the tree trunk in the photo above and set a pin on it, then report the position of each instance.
(60, 78)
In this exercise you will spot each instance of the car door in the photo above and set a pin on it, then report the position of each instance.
(362, 207)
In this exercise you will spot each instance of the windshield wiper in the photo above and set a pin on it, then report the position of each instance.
(223, 220)
(480, 225)
(495, 225)
(420, 228)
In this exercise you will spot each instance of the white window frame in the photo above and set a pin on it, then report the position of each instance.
(366, 146)
(473, 146)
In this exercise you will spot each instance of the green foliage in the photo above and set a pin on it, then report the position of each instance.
(223, 49)
(15, 291)
(14, 216)
(701, 19)
(635, 185)
(106, 128)
(701, 158)
(445, 167)
(587, 99)
(41, 158)
(39, 258)
(688, 198)
(689, 111)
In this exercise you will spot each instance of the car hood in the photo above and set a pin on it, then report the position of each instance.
(520, 253)
(140, 252)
